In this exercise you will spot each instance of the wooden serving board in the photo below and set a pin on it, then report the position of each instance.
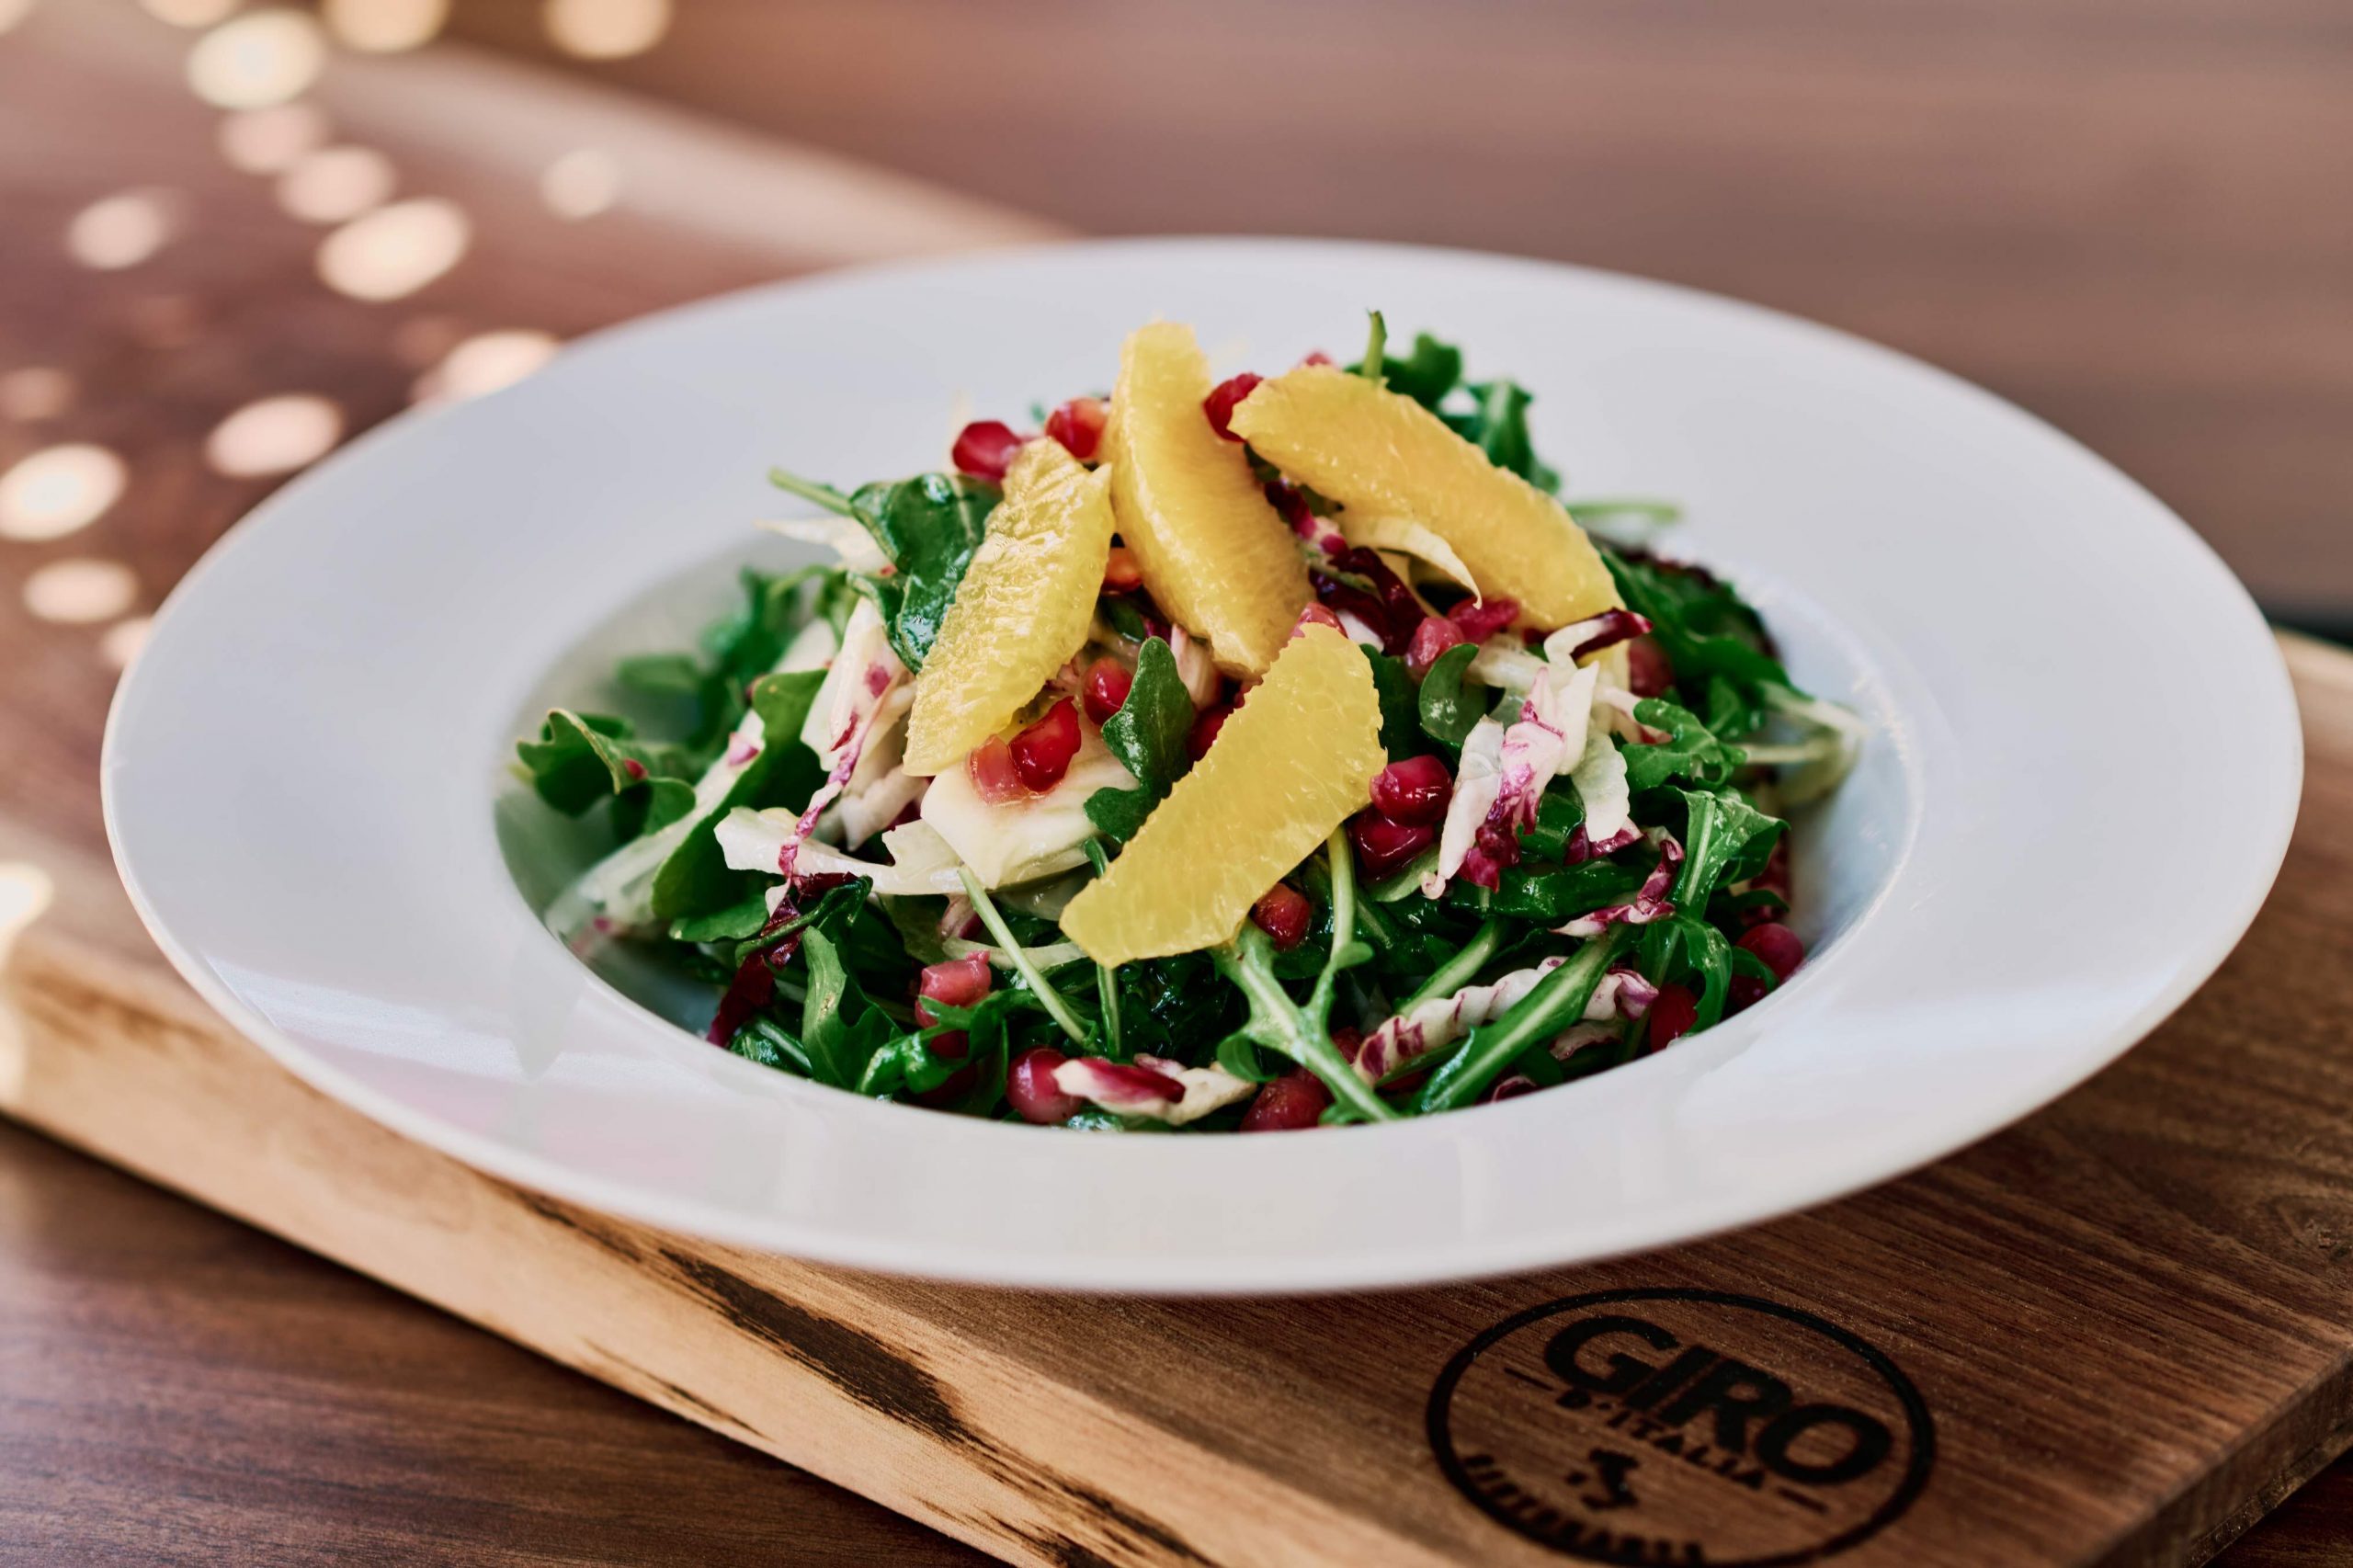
(2115, 1334)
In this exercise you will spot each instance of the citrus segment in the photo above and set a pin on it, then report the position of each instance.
(1216, 557)
(1376, 452)
(1290, 766)
(1021, 612)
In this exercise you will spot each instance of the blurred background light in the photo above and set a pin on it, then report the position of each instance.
(14, 11)
(394, 250)
(271, 141)
(257, 59)
(606, 30)
(57, 490)
(190, 12)
(121, 642)
(80, 590)
(34, 394)
(485, 362)
(274, 434)
(581, 184)
(385, 27)
(335, 183)
(122, 230)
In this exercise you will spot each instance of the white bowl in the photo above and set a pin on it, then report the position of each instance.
(2084, 767)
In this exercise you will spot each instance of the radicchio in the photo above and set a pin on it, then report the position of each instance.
(1575, 641)
(1152, 1086)
(1543, 742)
(1437, 1023)
(864, 691)
(1649, 903)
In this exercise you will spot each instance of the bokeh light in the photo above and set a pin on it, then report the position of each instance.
(34, 394)
(57, 490)
(26, 894)
(605, 29)
(274, 434)
(271, 141)
(190, 12)
(257, 59)
(80, 590)
(581, 184)
(337, 183)
(396, 250)
(121, 642)
(385, 27)
(14, 11)
(122, 230)
(485, 362)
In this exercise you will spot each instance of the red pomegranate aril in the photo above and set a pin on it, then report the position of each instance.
(1349, 1040)
(950, 1091)
(1106, 688)
(1029, 1086)
(1777, 945)
(1480, 618)
(1122, 572)
(1385, 845)
(994, 777)
(1648, 672)
(1042, 753)
(984, 449)
(1317, 357)
(1219, 404)
(1284, 916)
(1433, 636)
(1078, 425)
(1198, 739)
(1316, 615)
(1415, 789)
(1671, 1015)
(1296, 1099)
(959, 982)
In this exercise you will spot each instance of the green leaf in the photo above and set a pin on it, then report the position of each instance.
(732, 923)
(1147, 735)
(695, 879)
(1400, 726)
(581, 758)
(1692, 750)
(929, 526)
(1120, 813)
(1557, 1002)
(1497, 425)
(661, 674)
(1431, 371)
(1726, 839)
(767, 1042)
(840, 1028)
(1123, 616)
(666, 800)
(1704, 626)
(1376, 344)
(1561, 893)
(1448, 705)
(1559, 813)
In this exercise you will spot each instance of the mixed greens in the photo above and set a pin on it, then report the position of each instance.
(882, 820)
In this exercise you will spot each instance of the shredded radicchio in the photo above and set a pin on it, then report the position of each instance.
(1441, 1021)
(754, 987)
(1649, 903)
(1623, 994)
(1596, 633)
(1151, 1086)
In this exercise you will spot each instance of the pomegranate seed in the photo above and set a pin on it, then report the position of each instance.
(1499, 844)
(1510, 1088)
(1317, 357)
(1219, 404)
(1384, 846)
(960, 983)
(1413, 791)
(1778, 946)
(1283, 915)
(1482, 619)
(1349, 1040)
(1647, 669)
(1029, 1085)
(1105, 691)
(1042, 753)
(994, 777)
(1205, 728)
(1316, 615)
(1078, 425)
(1671, 1015)
(1122, 573)
(1433, 636)
(984, 449)
(1296, 1099)
(952, 1089)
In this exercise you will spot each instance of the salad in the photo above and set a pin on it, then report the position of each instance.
(1244, 755)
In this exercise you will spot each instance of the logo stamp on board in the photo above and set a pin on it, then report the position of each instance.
(1676, 1426)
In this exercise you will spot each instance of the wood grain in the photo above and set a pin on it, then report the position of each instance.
(2127, 1316)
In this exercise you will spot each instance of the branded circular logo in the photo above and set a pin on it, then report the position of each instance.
(1681, 1426)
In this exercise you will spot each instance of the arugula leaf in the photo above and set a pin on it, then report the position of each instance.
(661, 675)
(1723, 833)
(1147, 735)
(1706, 629)
(1375, 350)
(1449, 709)
(929, 526)
(581, 758)
(1120, 612)
(1119, 813)
(1497, 425)
(1558, 893)
(1431, 371)
(767, 1042)
(732, 923)
(840, 1029)
(1692, 750)
(695, 879)
(1400, 727)
(1557, 1002)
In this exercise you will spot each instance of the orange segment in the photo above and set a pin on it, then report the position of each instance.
(1291, 764)
(1215, 556)
(1376, 452)
(1021, 612)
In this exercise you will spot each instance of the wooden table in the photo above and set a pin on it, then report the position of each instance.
(173, 1386)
